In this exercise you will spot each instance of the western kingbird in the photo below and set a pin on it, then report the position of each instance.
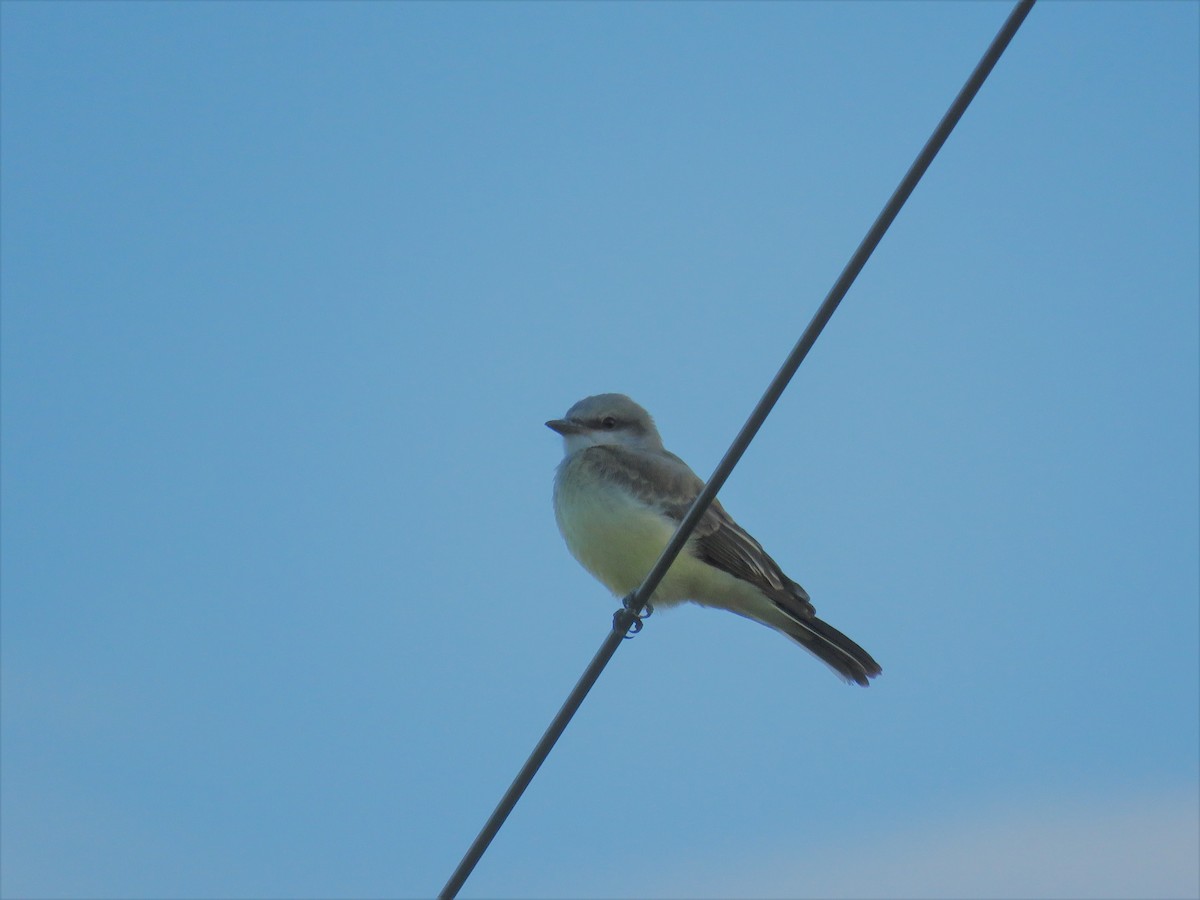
(618, 497)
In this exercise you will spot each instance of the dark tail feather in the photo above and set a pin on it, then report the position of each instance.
(834, 649)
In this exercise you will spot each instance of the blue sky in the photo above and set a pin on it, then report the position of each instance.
(288, 291)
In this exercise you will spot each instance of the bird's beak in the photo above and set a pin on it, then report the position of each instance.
(564, 427)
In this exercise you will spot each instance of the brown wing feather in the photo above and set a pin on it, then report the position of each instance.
(664, 481)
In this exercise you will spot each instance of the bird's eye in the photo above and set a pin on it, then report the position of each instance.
(608, 422)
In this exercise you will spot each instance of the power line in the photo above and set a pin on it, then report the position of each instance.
(630, 615)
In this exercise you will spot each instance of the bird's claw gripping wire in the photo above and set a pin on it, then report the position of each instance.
(625, 618)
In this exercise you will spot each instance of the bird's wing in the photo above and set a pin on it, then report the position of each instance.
(664, 481)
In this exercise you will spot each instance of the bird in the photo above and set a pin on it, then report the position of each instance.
(619, 495)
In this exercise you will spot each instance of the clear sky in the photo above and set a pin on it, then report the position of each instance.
(288, 292)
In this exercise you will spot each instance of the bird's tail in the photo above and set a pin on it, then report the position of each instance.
(846, 658)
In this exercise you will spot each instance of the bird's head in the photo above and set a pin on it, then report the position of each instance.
(607, 419)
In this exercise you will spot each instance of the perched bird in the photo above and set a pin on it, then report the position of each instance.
(618, 497)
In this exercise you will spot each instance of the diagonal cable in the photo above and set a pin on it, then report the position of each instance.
(636, 602)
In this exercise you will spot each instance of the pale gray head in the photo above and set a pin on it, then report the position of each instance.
(607, 419)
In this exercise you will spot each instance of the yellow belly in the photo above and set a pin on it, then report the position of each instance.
(614, 537)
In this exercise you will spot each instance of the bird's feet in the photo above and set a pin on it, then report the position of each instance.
(631, 622)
